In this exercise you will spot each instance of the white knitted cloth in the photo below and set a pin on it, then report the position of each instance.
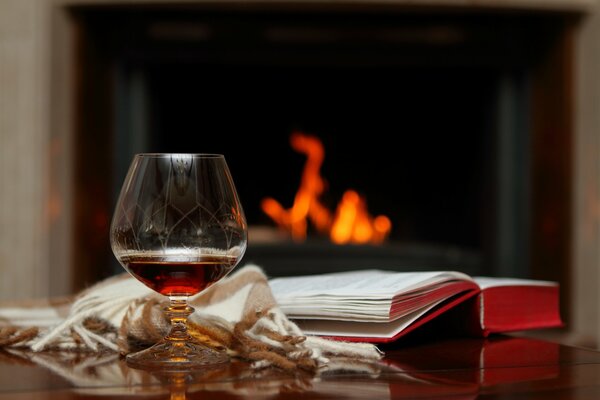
(109, 314)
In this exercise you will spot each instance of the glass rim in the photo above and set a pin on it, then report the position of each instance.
(192, 155)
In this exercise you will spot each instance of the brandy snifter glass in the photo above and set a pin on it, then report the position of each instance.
(178, 227)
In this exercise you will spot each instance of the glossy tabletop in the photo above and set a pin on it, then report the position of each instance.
(496, 368)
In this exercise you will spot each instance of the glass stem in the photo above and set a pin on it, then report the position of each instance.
(178, 312)
(178, 388)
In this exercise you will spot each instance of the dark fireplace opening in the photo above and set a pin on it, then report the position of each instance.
(431, 175)
(428, 174)
(430, 114)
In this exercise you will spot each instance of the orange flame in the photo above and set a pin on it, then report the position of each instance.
(352, 222)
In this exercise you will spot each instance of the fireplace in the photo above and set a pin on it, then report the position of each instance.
(453, 123)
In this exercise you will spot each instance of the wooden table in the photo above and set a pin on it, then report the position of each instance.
(498, 368)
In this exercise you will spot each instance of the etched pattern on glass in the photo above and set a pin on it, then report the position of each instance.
(181, 208)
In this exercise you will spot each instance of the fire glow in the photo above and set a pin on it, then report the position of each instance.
(351, 222)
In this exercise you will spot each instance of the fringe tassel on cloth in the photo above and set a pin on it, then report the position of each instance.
(238, 315)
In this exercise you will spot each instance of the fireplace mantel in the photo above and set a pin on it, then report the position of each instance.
(532, 5)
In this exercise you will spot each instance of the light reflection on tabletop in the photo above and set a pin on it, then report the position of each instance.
(464, 368)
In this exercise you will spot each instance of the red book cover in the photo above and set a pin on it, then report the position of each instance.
(515, 308)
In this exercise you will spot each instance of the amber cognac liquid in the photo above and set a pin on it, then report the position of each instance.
(174, 276)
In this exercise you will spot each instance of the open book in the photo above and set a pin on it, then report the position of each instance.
(381, 306)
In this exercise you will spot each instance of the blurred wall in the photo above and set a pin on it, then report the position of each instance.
(586, 213)
(34, 179)
(24, 268)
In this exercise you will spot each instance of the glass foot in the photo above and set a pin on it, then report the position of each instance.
(176, 355)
